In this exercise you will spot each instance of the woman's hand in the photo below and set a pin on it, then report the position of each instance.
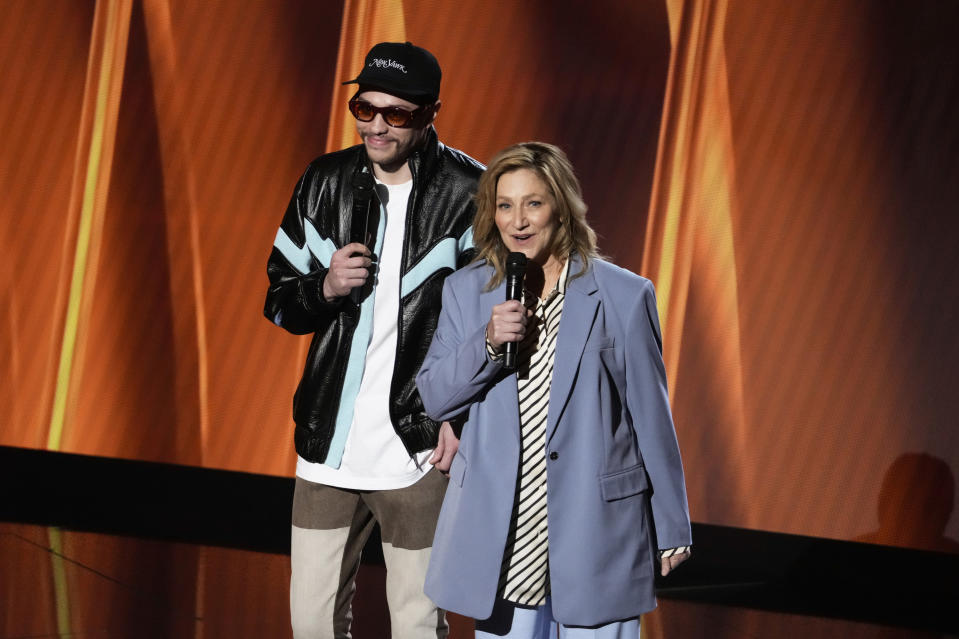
(507, 323)
(446, 446)
(668, 564)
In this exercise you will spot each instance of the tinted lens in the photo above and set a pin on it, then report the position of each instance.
(396, 116)
(362, 111)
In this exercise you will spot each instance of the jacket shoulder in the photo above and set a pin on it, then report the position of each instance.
(323, 177)
(469, 281)
(333, 163)
(459, 162)
(624, 290)
(471, 278)
(618, 278)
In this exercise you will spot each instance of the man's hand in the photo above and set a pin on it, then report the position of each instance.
(507, 323)
(668, 564)
(446, 447)
(349, 268)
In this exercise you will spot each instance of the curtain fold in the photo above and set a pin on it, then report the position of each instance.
(691, 257)
(171, 101)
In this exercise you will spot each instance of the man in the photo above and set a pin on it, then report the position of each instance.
(363, 440)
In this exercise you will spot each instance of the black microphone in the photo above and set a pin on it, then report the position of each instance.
(363, 186)
(515, 273)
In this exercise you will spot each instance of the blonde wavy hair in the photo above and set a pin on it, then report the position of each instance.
(552, 166)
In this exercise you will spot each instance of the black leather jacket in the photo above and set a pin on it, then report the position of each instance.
(317, 222)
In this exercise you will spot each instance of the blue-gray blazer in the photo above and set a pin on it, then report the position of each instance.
(615, 487)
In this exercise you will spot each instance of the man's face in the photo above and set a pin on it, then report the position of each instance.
(387, 146)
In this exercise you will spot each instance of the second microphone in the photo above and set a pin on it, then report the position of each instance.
(515, 275)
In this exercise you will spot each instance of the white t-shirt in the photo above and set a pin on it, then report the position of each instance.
(374, 457)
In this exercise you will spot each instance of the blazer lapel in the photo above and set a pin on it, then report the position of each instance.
(575, 324)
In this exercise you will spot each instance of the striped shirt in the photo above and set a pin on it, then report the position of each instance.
(524, 577)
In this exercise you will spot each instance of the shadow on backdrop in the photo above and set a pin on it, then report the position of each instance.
(915, 504)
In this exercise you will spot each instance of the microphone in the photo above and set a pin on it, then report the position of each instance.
(363, 186)
(515, 273)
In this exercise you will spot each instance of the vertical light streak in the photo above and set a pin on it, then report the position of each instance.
(111, 43)
(61, 593)
(365, 22)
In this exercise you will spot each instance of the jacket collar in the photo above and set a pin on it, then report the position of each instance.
(424, 159)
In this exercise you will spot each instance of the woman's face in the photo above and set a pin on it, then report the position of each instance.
(526, 215)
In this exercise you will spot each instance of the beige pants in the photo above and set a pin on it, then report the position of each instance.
(330, 528)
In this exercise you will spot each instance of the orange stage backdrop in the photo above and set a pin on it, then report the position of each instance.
(785, 172)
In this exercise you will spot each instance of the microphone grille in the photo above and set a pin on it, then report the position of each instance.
(516, 263)
(363, 181)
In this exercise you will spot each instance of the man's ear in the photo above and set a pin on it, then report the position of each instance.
(435, 110)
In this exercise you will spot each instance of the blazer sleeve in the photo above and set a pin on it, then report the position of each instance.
(457, 369)
(648, 402)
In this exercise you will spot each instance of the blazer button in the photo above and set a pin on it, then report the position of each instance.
(554, 455)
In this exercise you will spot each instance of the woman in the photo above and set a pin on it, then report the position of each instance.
(568, 477)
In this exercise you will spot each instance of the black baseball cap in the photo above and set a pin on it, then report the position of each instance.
(401, 69)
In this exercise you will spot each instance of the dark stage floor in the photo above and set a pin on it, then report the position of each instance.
(108, 549)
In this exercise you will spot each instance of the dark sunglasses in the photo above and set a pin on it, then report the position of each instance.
(392, 115)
